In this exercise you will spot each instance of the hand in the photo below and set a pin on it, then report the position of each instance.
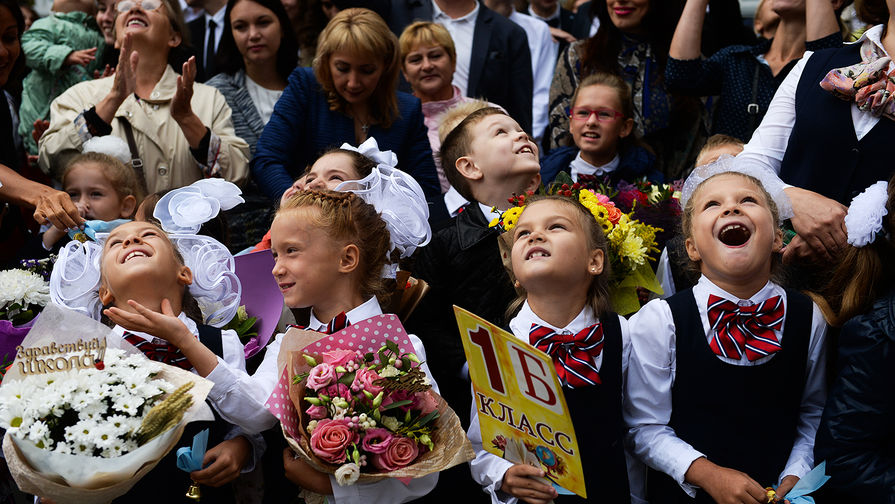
(125, 83)
(519, 482)
(786, 485)
(109, 70)
(82, 57)
(57, 208)
(164, 325)
(820, 222)
(725, 485)
(561, 35)
(40, 127)
(227, 460)
(299, 472)
(180, 104)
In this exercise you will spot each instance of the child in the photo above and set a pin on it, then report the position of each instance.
(856, 430)
(727, 380)
(601, 124)
(560, 259)
(101, 187)
(62, 50)
(716, 146)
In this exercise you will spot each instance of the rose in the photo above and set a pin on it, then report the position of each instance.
(316, 412)
(363, 380)
(337, 390)
(320, 376)
(425, 402)
(347, 474)
(338, 357)
(331, 438)
(399, 453)
(376, 440)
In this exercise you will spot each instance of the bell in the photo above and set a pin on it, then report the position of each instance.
(772, 495)
(193, 492)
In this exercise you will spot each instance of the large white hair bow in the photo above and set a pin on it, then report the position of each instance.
(370, 149)
(865, 214)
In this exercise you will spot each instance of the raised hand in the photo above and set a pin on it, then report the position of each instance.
(164, 324)
(180, 104)
(125, 83)
(82, 57)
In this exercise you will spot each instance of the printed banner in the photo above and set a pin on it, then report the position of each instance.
(521, 407)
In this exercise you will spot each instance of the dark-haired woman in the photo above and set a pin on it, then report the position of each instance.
(258, 51)
(632, 42)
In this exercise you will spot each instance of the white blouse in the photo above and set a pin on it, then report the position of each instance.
(651, 376)
(263, 98)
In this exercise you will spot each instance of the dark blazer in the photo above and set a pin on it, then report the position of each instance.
(196, 28)
(500, 66)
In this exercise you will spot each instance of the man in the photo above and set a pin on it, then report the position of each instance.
(205, 34)
(560, 20)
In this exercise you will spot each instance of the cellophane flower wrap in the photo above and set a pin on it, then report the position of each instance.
(86, 414)
(23, 294)
(364, 409)
(626, 214)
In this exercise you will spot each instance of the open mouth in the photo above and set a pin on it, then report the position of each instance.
(136, 22)
(134, 254)
(623, 11)
(536, 253)
(526, 150)
(734, 235)
(592, 135)
(286, 286)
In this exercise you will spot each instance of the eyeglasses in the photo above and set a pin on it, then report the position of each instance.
(129, 5)
(603, 114)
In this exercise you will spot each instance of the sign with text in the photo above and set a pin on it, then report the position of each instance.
(520, 404)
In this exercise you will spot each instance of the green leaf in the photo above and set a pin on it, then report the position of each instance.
(428, 418)
(392, 346)
(368, 357)
(397, 404)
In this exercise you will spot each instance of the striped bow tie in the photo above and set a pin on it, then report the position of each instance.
(159, 352)
(572, 354)
(588, 181)
(338, 323)
(750, 329)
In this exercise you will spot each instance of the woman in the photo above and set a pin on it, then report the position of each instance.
(105, 19)
(632, 42)
(348, 96)
(257, 53)
(746, 77)
(178, 131)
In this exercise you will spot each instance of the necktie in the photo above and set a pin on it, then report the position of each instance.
(750, 329)
(572, 354)
(209, 50)
(338, 323)
(162, 352)
(588, 181)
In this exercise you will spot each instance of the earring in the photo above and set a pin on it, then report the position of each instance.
(516, 284)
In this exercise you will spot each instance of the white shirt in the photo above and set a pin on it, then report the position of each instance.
(651, 376)
(544, 51)
(488, 469)
(218, 18)
(551, 17)
(263, 98)
(251, 392)
(461, 30)
(580, 166)
(489, 213)
(454, 201)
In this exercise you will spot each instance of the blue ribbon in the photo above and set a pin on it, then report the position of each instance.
(92, 227)
(190, 459)
(809, 483)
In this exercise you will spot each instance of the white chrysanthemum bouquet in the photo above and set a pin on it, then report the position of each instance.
(23, 294)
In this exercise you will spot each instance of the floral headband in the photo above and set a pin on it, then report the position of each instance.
(75, 279)
(397, 197)
(865, 214)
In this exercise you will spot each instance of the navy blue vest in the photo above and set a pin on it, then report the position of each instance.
(823, 153)
(741, 417)
(597, 417)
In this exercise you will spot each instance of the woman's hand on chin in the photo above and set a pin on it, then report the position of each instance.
(181, 110)
(124, 84)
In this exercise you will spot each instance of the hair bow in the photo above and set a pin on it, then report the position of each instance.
(370, 149)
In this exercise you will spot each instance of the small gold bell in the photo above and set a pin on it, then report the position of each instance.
(193, 492)
(772, 495)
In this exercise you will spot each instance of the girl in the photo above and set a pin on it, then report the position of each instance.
(560, 258)
(101, 187)
(727, 379)
(855, 433)
(601, 124)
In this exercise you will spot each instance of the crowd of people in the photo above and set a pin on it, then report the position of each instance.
(760, 360)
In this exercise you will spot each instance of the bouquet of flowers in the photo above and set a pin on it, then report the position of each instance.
(362, 408)
(86, 419)
(23, 294)
(632, 243)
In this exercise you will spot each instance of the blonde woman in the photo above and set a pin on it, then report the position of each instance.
(349, 95)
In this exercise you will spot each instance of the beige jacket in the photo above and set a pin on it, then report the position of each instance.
(167, 161)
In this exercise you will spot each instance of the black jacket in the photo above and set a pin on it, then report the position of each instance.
(857, 434)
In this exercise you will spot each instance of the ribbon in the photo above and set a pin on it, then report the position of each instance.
(190, 459)
(809, 483)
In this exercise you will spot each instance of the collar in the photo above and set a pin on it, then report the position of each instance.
(521, 323)
(365, 310)
(489, 214)
(704, 287)
(432, 108)
(217, 17)
(555, 14)
(580, 166)
(873, 34)
(472, 227)
(439, 16)
(454, 201)
(188, 322)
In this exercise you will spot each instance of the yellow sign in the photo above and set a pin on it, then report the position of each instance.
(519, 400)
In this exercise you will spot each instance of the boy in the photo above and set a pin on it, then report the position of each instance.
(62, 50)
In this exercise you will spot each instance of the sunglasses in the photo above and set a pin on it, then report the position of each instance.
(129, 5)
(603, 114)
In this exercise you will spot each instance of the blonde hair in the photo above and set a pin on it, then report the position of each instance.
(426, 34)
(717, 141)
(121, 177)
(345, 217)
(361, 32)
(598, 292)
(450, 118)
(457, 144)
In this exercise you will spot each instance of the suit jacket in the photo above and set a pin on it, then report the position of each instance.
(500, 66)
(196, 28)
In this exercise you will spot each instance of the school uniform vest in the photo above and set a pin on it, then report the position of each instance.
(823, 154)
(166, 483)
(596, 413)
(740, 417)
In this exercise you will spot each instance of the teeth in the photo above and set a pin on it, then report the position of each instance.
(136, 22)
(135, 253)
(590, 135)
(539, 254)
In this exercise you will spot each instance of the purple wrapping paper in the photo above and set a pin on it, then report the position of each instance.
(260, 295)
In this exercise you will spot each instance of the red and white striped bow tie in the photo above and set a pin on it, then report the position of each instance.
(745, 329)
(572, 354)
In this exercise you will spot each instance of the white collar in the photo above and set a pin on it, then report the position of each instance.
(365, 310)
(704, 287)
(521, 323)
(874, 34)
(188, 322)
(555, 14)
(580, 166)
(438, 13)
(489, 214)
(217, 17)
(454, 201)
